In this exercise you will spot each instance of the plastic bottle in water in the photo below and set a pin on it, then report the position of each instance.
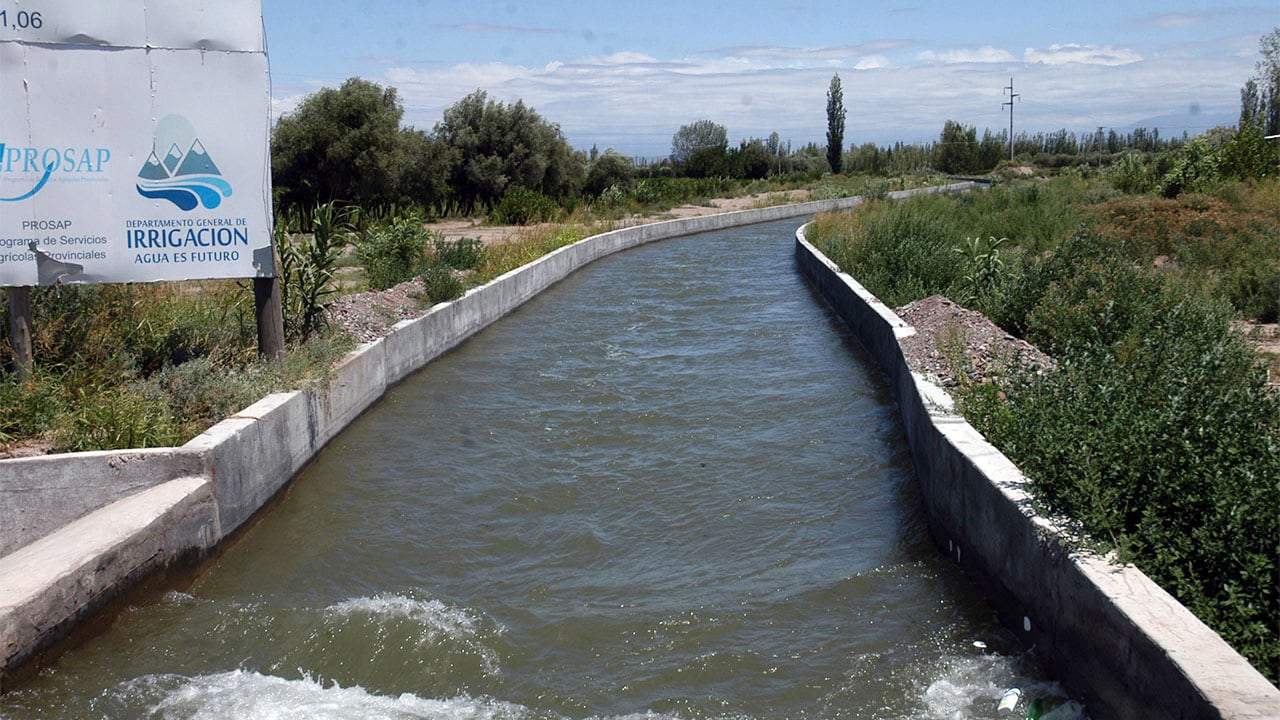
(1008, 702)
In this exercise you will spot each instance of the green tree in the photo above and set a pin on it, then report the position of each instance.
(347, 145)
(608, 170)
(495, 147)
(1269, 79)
(698, 136)
(751, 160)
(835, 125)
(957, 151)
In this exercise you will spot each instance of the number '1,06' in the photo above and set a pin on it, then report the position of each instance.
(22, 20)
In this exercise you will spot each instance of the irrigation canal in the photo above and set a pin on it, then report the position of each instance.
(671, 486)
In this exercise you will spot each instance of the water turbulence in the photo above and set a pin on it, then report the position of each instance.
(671, 486)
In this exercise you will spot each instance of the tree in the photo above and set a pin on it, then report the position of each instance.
(495, 147)
(702, 135)
(957, 150)
(347, 145)
(751, 160)
(608, 170)
(1260, 97)
(835, 125)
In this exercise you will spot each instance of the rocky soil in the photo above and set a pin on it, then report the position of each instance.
(944, 330)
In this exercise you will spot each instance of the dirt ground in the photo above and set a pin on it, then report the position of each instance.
(456, 229)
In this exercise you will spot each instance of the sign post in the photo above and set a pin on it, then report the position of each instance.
(134, 141)
(20, 329)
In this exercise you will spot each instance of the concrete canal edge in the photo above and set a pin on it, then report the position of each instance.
(79, 529)
(1109, 633)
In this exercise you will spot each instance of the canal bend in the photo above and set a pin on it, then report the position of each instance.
(671, 486)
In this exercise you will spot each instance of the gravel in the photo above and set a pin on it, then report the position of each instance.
(943, 327)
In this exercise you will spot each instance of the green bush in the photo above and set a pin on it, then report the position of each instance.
(460, 254)
(393, 252)
(1165, 445)
(1194, 167)
(201, 393)
(902, 251)
(440, 284)
(1131, 174)
(521, 206)
(1254, 289)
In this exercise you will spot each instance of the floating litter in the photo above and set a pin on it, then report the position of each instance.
(1008, 701)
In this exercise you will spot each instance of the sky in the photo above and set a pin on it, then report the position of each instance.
(627, 75)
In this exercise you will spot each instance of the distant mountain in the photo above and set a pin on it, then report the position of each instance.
(1173, 125)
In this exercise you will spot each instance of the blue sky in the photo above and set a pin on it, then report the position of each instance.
(627, 75)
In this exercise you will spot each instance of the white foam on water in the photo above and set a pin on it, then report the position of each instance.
(253, 696)
(437, 621)
(249, 695)
(436, 617)
(971, 686)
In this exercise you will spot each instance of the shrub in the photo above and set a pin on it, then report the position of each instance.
(440, 284)
(901, 251)
(460, 254)
(1194, 168)
(609, 170)
(1164, 445)
(521, 206)
(202, 393)
(393, 252)
(1131, 174)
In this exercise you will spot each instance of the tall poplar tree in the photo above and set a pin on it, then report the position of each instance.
(835, 125)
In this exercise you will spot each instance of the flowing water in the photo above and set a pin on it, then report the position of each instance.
(671, 486)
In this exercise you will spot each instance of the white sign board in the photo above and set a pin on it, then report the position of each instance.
(134, 141)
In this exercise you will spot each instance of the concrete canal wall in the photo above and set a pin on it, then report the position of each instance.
(1108, 632)
(78, 529)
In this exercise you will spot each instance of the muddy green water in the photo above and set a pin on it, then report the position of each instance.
(671, 486)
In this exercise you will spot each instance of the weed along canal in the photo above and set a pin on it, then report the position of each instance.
(670, 486)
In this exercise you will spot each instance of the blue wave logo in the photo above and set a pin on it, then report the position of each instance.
(186, 176)
(48, 170)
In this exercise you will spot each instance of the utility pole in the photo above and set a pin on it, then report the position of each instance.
(1099, 147)
(1012, 95)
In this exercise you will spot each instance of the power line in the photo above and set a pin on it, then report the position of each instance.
(1012, 95)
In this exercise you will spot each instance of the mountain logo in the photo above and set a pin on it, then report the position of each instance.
(186, 175)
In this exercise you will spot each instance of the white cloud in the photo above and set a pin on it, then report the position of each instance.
(1085, 54)
(1168, 20)
(634, 101)
(872, 62)
(984, 54)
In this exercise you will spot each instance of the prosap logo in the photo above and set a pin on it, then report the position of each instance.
(44, 162)
(186, 176)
